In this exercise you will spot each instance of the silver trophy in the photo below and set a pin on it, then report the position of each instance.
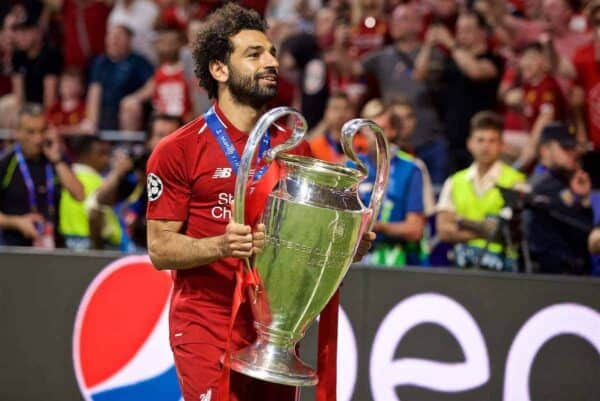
(314, 222)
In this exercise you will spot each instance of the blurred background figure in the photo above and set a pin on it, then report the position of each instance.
(558, 226)
(470, 204)
(369, 26)
(167, 89)
(344, 70)
(302, 61)
(36, 64)
(33, 173)
(324, 139)
(8, 100)
(471, 75)
(586, 94)
(84, 29)
(402, 220)
(394, 71)
(68, 111)
(93, 156)
(115, 75)
(594, 237)
(140, 17)
(200, 101)
(125, 184)
(532, 97)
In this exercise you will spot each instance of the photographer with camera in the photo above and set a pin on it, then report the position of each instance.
(32, 174)
(557, 229)
(126, 183)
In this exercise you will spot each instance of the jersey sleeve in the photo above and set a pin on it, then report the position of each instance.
(168, 184)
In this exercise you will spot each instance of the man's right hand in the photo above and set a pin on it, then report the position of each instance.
(26, 224)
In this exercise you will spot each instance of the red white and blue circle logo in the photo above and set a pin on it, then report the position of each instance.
(121, 340)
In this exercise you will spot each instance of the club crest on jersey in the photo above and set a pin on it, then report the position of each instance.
(222, 172)
(154, 187)
(206, 396)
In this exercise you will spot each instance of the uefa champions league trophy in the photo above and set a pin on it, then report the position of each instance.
(314, 221)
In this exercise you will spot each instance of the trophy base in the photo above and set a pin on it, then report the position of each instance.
(273, 363)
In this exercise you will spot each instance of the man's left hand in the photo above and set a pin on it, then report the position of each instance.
(365, 244)
(258, 239)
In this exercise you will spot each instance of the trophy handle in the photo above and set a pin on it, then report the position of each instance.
(255, 136)
(383, 160)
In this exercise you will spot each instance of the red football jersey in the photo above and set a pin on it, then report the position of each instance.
(59, 117)
(546, 92)
(171, 93)
(367, 36)
(196, 186)
(588, 75)
(84, 25)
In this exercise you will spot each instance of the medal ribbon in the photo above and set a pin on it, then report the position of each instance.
(31, 193)
(216, 127)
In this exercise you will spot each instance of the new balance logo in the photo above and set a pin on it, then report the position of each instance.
(222, 172)
(206, 396)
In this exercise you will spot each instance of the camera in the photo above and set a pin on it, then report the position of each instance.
(139, 155)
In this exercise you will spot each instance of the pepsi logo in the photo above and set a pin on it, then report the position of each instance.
(121, 339)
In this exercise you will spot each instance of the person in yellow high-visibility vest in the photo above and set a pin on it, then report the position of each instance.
(470, 201)
(92, 158)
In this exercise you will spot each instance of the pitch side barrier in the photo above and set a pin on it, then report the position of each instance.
(93, 326)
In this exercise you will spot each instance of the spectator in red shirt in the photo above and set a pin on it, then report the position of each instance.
(586, 96)
(84, 29)
(171, 94)
(534, 89)
(168, 88)
(174, 14)
(344, 70)
(370, 28)
(552, 28)
(68, 111)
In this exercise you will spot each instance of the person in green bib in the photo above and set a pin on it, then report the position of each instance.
(401, 221)
(92, 159)
(470, 204)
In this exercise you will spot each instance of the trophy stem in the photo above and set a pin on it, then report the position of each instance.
(274, 361)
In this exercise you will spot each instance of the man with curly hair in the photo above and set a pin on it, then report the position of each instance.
(191, 178)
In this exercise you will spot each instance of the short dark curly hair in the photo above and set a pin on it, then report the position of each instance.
(214, 40)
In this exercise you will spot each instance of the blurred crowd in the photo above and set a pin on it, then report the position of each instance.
(492, 110)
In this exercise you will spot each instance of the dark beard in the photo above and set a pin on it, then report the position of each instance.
(247, 89)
